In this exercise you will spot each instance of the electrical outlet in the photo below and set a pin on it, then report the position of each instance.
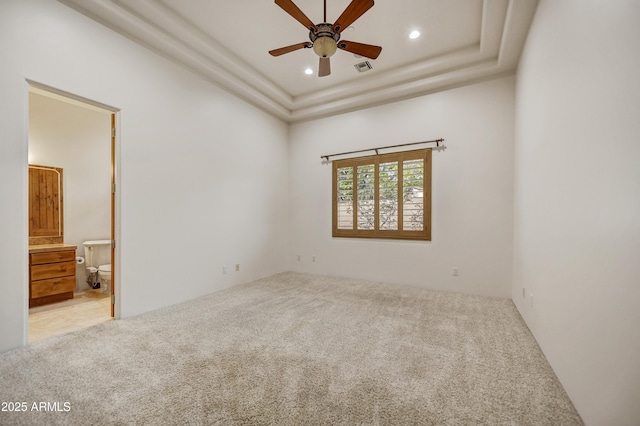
(237, 267)
(224, 269)
(524, 293)
(298, 258)
(313, 258)
(455, 271)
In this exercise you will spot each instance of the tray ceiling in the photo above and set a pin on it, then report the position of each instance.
(226, 42)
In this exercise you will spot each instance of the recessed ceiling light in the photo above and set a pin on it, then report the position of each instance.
(308, 71)
(414, 34)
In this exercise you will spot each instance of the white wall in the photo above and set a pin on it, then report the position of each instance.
(472, 226)
(203, 175)
(577, 228)
(78, 139)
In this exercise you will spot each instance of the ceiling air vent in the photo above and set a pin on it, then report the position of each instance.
(363, 66)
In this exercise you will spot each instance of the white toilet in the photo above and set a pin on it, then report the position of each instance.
(98, 257)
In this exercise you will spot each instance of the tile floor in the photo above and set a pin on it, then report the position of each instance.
(87, 308)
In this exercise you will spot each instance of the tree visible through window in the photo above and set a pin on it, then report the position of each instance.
(383, 196)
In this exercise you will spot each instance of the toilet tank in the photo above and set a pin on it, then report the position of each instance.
(97, 252)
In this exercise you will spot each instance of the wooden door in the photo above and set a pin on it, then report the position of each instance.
(113, 212)
(46, 216)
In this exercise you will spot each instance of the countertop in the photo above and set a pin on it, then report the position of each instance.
(43, 248)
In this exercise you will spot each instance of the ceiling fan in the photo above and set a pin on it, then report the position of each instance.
(325, 37)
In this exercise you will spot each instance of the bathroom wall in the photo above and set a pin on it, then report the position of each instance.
(472, 213)
(202, 176)
(76, 138)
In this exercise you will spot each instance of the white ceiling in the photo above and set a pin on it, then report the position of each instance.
(227, 42)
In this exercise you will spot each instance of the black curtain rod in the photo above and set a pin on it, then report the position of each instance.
(436, 141)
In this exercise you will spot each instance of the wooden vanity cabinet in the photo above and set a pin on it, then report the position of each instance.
(52, 274)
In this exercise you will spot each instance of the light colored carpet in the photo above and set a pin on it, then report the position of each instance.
(296, 349)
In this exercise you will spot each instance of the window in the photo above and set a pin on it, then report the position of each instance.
(383, 196)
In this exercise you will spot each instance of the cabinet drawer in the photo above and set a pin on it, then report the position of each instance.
(53, 286)
(52, 270)
(53, 257)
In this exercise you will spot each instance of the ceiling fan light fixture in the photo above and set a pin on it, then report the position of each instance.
(325, 47)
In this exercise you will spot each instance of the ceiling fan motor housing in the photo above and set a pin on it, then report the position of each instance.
(324, 40)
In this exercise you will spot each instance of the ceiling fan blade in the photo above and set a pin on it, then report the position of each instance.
(324, 69)
(293, 10)
(355, 10)
(366, 50)
(287, 49)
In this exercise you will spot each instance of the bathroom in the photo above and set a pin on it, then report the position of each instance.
(76, 137)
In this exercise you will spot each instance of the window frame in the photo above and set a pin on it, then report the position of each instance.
(376, 233)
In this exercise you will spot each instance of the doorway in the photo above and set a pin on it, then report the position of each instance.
(77, 136)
